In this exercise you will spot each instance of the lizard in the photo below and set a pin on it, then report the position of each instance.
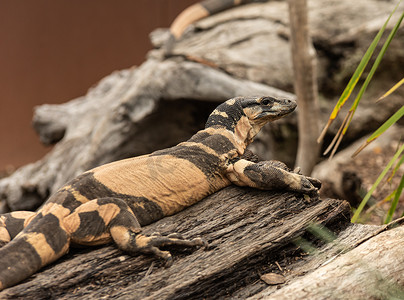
(112, 202)
(196, 12)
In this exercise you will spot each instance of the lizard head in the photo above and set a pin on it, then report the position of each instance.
(261, 110)
(245, 116)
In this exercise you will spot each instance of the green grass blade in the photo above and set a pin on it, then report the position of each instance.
(356, 76)
(400, 162)
(374, 68)
(396, 86)
(361, 67)
(393, 206)
(386, 125)
(392, 120)
(374, 186)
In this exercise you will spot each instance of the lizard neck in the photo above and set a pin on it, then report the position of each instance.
(225, 143)
(229, 120)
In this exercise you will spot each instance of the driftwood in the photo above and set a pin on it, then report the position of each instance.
(248, 231)
(252, 42)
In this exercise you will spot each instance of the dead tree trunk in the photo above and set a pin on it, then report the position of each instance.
(305, 82)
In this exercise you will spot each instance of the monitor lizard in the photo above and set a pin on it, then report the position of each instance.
(111, 202)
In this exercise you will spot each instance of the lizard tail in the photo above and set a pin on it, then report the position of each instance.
(196, 12)
(36, 246)
(201, 10)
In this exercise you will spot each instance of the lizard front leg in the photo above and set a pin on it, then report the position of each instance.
(270, 175)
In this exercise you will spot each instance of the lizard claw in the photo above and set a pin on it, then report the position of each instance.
(168, 260)
(309, 185)
(175, 236)
(314, 181)
(201, 242)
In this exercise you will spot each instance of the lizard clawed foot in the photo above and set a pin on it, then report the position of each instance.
(152, 244)
(314, 181)
(171, 235)
(309, 185)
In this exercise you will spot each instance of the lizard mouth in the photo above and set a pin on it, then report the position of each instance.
(275, 111)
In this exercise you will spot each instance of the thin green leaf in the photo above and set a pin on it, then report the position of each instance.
(390, 91)
(374, 68)
(393, 206)
(386, 125)
(392, 120)
(374, 186)
(400, 162)
(356, 76)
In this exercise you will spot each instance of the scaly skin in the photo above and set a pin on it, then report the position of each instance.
(113, 201)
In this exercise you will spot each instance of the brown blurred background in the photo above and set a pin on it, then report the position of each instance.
(52, 51)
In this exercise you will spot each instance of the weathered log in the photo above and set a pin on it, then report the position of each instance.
(250, 233)
(371, 270)
(253, 40)
(247, 230)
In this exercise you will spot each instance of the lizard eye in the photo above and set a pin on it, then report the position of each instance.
(265, 101)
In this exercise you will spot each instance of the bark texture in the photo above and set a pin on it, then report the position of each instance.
(372, 270)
